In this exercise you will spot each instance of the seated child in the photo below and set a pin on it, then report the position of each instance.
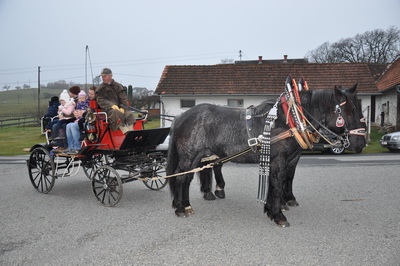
(73, 132)
(65, 115)
(51, 112)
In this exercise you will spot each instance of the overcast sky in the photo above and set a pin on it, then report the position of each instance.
(138, 38)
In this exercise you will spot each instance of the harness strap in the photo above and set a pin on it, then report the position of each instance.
(249, 126)
(265, 155)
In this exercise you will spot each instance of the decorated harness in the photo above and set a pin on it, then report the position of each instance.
(299, 128)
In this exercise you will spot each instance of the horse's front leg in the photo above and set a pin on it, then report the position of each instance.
(273, 207)
(288, 197)
(206, 183)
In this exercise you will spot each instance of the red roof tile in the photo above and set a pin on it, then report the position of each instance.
(262, 79)
(391, 77)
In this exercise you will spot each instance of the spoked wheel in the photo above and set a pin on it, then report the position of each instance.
(107, 185)
(41, 170)
(157, 170)
(91, 165)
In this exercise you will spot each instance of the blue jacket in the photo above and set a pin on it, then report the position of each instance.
(53, 108)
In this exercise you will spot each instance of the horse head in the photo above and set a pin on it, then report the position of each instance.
(346, 118)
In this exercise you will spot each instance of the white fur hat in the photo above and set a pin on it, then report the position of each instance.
(65, 96)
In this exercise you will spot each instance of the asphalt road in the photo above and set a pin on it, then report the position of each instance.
(349, 214)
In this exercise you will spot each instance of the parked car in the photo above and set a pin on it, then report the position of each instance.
(325, 147)
(391, 141)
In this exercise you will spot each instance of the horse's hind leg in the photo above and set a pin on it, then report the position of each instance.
(219, 188)
(175, 184)
(206, 183)
(185, 195)
(180, 192)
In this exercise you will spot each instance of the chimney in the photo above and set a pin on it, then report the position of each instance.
(285, 58)
(260, 59)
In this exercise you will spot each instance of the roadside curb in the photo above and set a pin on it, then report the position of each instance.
(18, 159)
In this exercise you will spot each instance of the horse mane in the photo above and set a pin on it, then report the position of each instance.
(318, 101)
(264, 106)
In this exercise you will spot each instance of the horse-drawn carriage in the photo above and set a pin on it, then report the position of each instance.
(277, 132)
(108, 158)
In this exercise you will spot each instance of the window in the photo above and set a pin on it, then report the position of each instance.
(235, 102)
(187, 103)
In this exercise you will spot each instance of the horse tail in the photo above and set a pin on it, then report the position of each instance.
(172, 162)
(173, 157)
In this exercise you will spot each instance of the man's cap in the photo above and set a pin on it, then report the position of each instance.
(106, 71)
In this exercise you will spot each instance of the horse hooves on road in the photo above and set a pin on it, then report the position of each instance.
(292, 203)
(283, 223)
(209, 196)
(189, 210)
(181, 214)
(220, 194)
(285, 208)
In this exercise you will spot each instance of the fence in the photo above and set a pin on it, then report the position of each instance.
(18, 119)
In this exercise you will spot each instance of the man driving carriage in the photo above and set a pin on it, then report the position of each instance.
(112, 98)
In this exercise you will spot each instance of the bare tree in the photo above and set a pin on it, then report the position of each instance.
(323, 54)
(377, 46)
(6, 87)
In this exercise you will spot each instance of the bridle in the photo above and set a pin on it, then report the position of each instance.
(340, 122)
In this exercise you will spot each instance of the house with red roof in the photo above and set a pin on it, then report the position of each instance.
(388, 105)
(244, 84)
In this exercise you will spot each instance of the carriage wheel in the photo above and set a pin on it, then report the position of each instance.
(41, 170)
(157, 170)
(91, 165)
(107, 185)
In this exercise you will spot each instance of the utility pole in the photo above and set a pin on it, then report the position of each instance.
(86, 54)
(38, 95)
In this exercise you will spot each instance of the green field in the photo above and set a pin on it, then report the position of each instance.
(25, 101)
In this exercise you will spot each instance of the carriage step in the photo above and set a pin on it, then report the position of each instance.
(70, 155)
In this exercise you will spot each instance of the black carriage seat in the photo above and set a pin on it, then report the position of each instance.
(144, 138)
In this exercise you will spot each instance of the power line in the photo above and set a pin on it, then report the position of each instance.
(130, 62)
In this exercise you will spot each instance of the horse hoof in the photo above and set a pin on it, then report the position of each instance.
(283, 224)
(189, 210)
(285, 208)
(209, 196)
(292, 203)
(220, 193)
(181, 214)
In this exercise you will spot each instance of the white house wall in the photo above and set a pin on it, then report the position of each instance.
(171, 105)
(387, 98)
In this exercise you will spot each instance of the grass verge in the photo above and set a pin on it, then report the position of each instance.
(14, 139)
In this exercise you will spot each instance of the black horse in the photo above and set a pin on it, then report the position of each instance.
(207, 130)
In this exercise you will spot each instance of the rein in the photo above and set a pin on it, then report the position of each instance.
(297, 121)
